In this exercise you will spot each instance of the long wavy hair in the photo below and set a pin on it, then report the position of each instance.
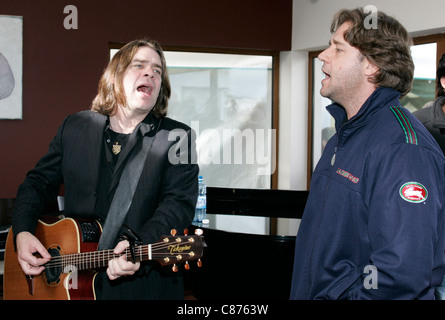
(111, 90)
(387, 46)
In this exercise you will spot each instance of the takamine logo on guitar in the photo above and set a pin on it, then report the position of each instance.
(72, 245)
(178, 248)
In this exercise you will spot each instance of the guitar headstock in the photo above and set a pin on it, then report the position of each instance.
(175, 249)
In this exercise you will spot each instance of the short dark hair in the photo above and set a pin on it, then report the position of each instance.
(387, 46)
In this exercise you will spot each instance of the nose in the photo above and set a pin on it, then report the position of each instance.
(323, 55)
(149, 74)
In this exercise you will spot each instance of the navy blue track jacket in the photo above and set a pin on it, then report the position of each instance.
(373, 224)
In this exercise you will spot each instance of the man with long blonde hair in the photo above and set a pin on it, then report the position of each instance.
(92, 155)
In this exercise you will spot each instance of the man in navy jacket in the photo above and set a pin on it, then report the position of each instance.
(373, 224)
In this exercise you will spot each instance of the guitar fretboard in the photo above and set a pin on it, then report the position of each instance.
(95, 259)
(168, 251)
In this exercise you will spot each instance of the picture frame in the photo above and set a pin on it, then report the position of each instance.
(11, 66)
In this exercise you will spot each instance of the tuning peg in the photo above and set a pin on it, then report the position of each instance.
(199, 263)
(175, 268)
(199, 232)
(186, 232)
(173, 232)
(187, 266)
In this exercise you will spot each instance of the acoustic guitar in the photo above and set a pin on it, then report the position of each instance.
(70, 273)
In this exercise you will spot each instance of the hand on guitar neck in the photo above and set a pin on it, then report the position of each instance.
(119, 267)
(32, 255)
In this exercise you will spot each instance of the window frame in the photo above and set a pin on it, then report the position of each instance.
(275, 88)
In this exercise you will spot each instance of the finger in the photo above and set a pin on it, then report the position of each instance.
(29, 269)
(111, 276)
(41, 250)
(121, 246)
(120, 267)
(127, 267)
(111, 270)
(43, 253)
(30, 262)
(35, 261)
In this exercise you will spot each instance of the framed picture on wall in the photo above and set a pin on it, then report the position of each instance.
(11, 66)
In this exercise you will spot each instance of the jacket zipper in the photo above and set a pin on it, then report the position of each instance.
(333, 157)
(325, 192)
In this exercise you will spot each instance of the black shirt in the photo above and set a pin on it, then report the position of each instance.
(113, 145)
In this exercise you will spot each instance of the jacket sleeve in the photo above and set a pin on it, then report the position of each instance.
(405, 195)
(40, 187)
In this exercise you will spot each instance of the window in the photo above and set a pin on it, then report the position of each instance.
(228, 99)
(424, 83)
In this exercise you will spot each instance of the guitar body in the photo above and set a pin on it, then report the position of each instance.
(66, 236)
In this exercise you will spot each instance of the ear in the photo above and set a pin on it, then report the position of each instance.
(370, 68)
(442, 82)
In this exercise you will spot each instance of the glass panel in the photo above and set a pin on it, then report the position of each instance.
(227, 100)
(424, 84)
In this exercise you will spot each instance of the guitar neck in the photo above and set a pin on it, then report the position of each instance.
(96, 259)
(169, 250)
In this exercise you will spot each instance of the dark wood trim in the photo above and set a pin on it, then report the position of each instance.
(438, 38)
(311, 56)
(275, 115)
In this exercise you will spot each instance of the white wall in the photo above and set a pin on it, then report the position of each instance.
(312, 18)
(293, 120)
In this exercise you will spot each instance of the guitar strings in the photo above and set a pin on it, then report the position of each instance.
(93, 258)
(106, 253)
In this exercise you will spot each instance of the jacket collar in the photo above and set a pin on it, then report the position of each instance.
(376, 101)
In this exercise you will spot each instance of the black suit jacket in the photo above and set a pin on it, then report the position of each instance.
(165, 197)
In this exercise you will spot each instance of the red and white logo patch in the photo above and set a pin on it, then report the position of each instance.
(413, 192)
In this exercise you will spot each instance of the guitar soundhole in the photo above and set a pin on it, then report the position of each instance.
(53, 273)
